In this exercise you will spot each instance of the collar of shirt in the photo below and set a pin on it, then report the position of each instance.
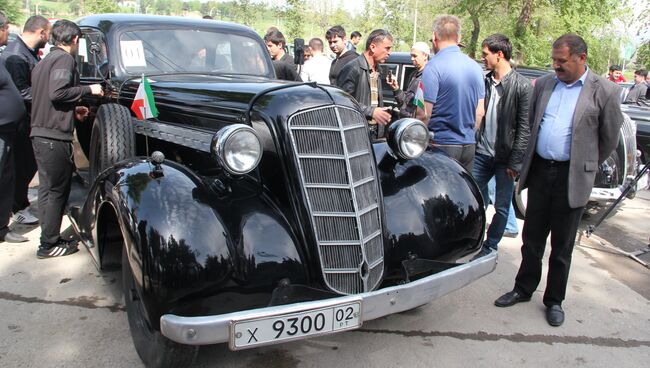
(447, 49)
(580, 80)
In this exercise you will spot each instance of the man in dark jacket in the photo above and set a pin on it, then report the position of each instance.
(55, 94)
(502, 137)
(20, 57)
(406, 99)
(336, 39)
(11, 114)
(360, 77)
(283, 64)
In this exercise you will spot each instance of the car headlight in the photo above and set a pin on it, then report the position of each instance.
(408, 138)
(237, 148)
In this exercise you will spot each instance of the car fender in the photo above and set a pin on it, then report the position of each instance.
(186, 240)
(436, 209)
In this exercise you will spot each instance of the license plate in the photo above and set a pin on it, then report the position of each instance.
(291, 326)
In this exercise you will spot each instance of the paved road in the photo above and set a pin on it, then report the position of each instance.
(64, 313)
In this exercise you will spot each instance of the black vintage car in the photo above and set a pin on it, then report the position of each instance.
(612, 174)
(253, 211)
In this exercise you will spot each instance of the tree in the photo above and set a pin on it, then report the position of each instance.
(293, 15)
(100, 6)
(11, 9)
(643, 56)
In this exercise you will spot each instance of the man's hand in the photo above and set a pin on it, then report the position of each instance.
(512, 174)
(392, 83)
(381, 116)
(81, 113)
(96, 90)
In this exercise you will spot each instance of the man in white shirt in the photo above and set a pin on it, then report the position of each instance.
(317, 68)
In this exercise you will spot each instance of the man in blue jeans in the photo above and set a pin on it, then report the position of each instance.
(502, 137)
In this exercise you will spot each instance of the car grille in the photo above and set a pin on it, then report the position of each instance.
(337, 172)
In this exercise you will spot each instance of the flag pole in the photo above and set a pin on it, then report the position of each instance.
(146, 136)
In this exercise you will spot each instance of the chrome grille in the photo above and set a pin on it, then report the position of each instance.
(337, 172)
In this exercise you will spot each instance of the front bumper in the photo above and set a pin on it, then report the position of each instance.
(216, 329)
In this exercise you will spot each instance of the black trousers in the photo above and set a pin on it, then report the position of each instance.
(463, 153)
(55, 168)
(547, 212)
(25, 169)
(7, 177)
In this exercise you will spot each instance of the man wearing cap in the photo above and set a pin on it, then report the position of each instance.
(405, 99)
(453, 93)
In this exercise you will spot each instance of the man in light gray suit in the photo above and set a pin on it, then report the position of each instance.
(575, 119)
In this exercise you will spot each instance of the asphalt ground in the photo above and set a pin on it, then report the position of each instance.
(65, 313)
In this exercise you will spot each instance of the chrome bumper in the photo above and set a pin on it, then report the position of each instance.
(216, 329)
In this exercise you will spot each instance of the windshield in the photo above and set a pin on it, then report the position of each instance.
(191, 50)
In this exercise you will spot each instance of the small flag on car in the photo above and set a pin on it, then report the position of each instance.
(143, 104)
(418, 99)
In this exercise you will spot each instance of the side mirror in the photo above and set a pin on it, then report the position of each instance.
(299, 51)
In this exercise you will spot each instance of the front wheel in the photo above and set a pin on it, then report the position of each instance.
(154, 349)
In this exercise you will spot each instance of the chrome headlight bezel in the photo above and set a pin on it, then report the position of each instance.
(222, 141)
(396, 133)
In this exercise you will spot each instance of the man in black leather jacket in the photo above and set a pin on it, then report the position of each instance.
(502, 137)
(360, 77)
(20, 57)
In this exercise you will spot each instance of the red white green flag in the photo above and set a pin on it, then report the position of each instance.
(418, 99)
(143, 104)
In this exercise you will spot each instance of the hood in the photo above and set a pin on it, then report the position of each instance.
(204, 98)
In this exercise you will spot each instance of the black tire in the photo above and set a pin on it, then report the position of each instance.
(112, 139)
(155, 350)
(519, 201)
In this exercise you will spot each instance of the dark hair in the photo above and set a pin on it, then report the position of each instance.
(36, 22)
(355, 34)
(615, 67)
(3, 19)
(377, 36)
(498, 42)
(641, 72)
(316, 44)
(274, 35)
(336, 31)
(574, 42)
(64, 32)
(207, 17)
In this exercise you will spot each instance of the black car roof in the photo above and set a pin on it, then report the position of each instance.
(526, 71)
(107, 21)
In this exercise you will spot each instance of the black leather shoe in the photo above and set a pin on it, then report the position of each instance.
(510, 298)
(555, 315)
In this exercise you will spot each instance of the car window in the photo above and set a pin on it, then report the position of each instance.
(190, 50)
(92, 57)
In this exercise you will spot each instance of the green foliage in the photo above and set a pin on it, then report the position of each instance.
(643, 56)
(100, 6)
(293, 15)
(532, 25)
(11, 9)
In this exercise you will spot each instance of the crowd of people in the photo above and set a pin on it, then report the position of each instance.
(551, 136)
(39, 99)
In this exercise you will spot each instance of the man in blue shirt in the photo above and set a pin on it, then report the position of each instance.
(575, 117)
(453, 93)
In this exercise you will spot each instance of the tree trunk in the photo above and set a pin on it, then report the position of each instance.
(475, 33)
(524, 18)
(520, 28)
